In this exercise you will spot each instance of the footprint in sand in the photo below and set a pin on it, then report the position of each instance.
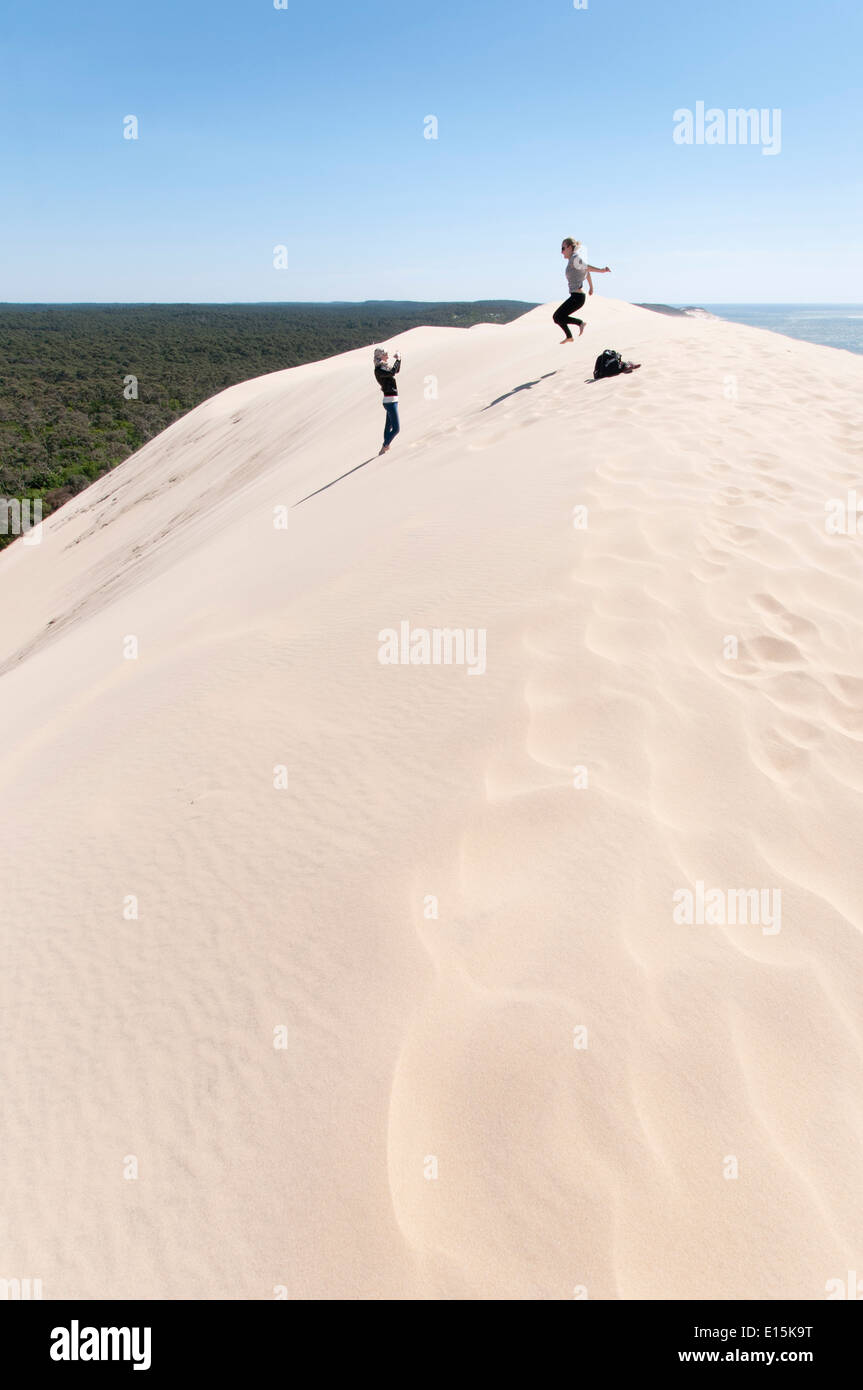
(739, 535)
(774, 651)
(780, 490)
(782, 761)
(850, 689)
(785, 623)
(798, 731)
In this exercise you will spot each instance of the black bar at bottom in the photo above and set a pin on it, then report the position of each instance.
(224, 1338)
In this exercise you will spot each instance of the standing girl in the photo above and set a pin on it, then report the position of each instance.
(385, 375)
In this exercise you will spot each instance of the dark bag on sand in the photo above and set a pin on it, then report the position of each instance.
(608, 363)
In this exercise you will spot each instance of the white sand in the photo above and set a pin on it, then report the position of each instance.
(410, 1038)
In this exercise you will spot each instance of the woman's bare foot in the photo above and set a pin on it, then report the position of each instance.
(384, 450)
(581, 328)
(564, 341)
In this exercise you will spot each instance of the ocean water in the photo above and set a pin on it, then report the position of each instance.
(834, 325)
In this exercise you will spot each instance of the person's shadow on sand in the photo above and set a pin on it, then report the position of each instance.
(335, 480)
(525, 386)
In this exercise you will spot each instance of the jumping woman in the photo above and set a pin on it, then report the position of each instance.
(385, 375)
(577, 271)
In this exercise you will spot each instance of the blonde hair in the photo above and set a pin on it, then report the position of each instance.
(569, 241)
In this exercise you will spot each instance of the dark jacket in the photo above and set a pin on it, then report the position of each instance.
(386, 378)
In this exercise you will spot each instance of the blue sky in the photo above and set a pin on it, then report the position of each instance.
(304, 127)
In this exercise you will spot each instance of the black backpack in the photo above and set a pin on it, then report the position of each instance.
(608, 363)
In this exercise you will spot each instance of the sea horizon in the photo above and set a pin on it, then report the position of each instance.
(830, 325)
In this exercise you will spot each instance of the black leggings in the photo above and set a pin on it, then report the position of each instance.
(561, 315)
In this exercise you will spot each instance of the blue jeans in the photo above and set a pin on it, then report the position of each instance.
(391, 424)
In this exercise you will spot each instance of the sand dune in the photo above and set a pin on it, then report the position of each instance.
(438, 1124)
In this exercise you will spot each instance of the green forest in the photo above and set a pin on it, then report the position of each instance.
(68, 412)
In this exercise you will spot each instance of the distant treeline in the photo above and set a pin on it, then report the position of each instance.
(67, 413)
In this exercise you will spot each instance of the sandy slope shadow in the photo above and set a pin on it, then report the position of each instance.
(335, 480)
(525, 386)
